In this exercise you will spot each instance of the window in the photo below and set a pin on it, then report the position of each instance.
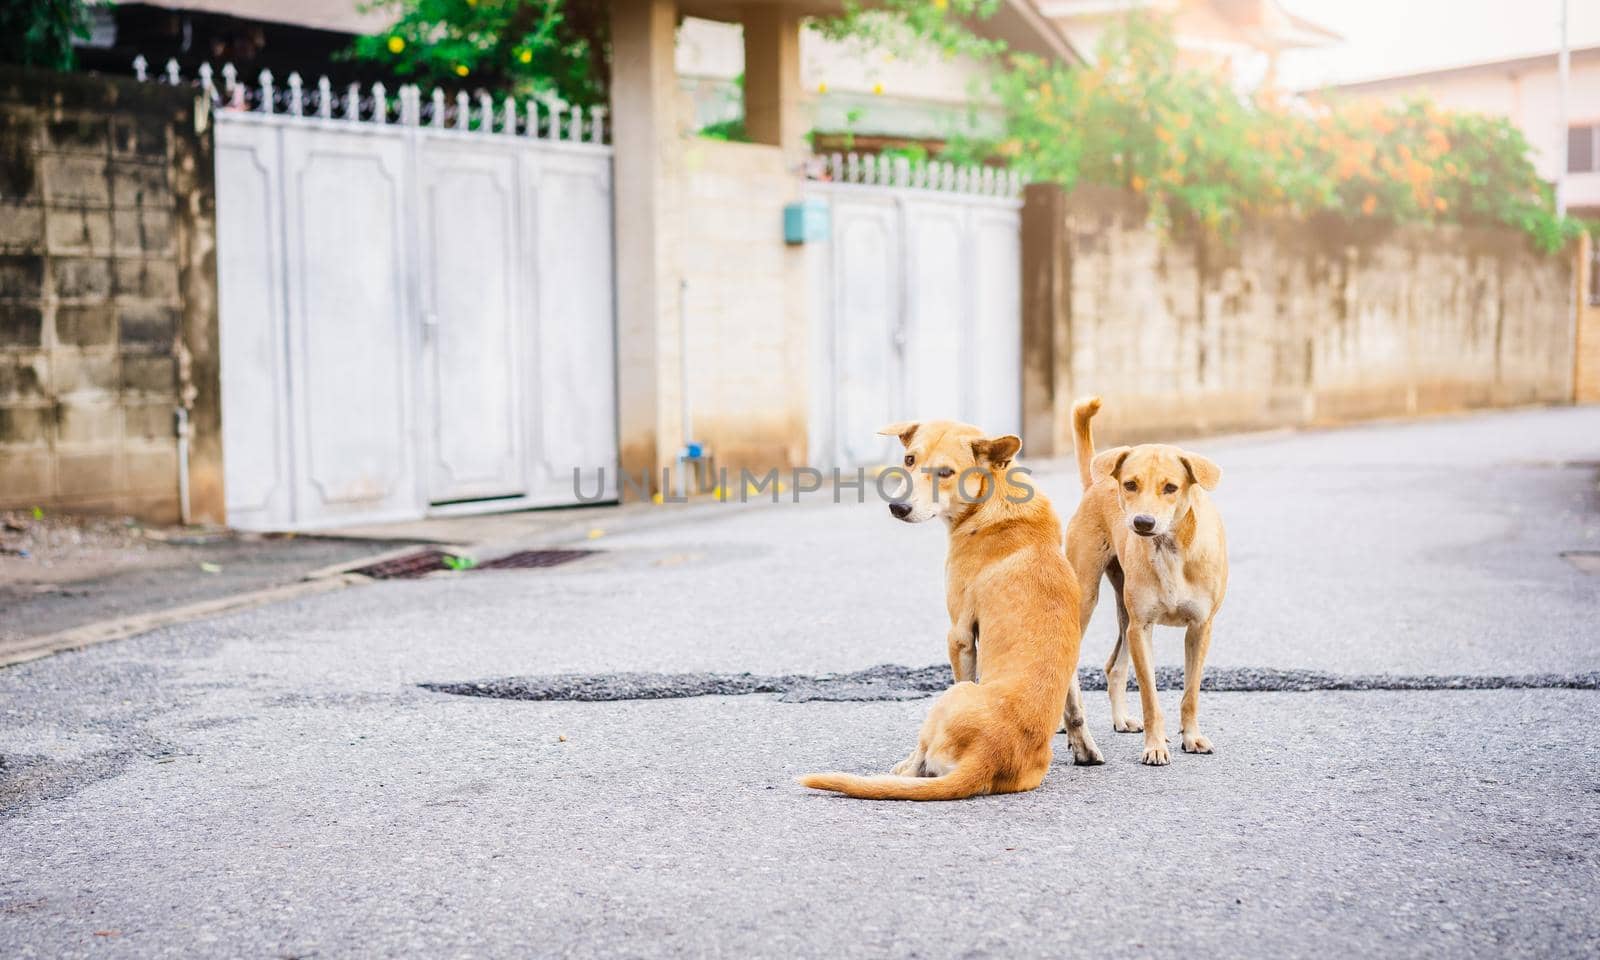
(1583, 149)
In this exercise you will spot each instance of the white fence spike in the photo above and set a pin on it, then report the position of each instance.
(410, 105)
(206, 83)
(508, 121)
(352, 103)
(324, 98)
(463, 111)
(140, 68)
(437, 120)
(485, 113)
(295, 84)
(380, 103)
(532, 107)
(552, 108)
(266, 91)
(597, 125)
(575, 125)
(172, 72)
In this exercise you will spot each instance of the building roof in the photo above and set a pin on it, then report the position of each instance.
(1512, 65)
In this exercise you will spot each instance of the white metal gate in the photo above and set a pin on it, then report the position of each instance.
(416, 304)
(916, 306)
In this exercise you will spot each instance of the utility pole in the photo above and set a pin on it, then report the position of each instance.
(1564, 68)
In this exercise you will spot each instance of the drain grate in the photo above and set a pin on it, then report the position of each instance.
(407, 567)
(1587, 561)
(524, 559)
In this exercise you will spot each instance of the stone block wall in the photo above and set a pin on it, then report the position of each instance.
(1285, 323)
(107, 297)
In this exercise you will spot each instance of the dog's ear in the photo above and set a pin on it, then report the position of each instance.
(905, 430)
(1201, 470)
(996, 451)
(1108, 463)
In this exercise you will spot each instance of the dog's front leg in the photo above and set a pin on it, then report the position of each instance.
(1195, 644)
(963, 645)
(1155, 726)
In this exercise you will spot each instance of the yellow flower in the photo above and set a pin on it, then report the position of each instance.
(461, 69)
(525, 56)
(877, 89)
(396, 44)
(822, 87)
(941, 4)
(1137, 183)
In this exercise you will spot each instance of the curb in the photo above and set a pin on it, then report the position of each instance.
(119, 628)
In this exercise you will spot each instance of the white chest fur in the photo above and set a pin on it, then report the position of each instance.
(1174, 601)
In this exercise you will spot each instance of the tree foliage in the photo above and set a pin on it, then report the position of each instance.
(39, 33)
(518, 48)
(1183, 136)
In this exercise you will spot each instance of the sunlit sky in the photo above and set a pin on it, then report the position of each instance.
(1387, 37)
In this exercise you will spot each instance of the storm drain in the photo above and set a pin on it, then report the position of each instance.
(525, 559)
(892, 682)
(407, 567)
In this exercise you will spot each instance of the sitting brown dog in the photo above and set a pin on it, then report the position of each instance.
(1007, 582)
(1147, 525)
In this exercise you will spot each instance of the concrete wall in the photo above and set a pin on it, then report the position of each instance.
(1586, 364)
(107, 296)
(1290, 322)
(744, 306)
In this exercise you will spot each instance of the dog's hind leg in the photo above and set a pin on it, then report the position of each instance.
(1084, 751)
(1195, 644)
(1117, 663)
(1088, 552)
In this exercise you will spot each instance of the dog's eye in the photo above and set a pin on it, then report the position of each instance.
(1132, 486)
(910, 460)
(1170, 488)
(946, 473)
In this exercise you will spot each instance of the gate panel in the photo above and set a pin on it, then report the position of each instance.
(868, 366)
(350, 346)
(575, 423)
(470, 256)
(255, 400)
(939, 289)
(417, 304)
(918, 304)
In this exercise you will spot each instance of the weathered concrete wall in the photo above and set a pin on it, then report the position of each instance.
(107, 297)
(744, 306)
(1586, 366)
(1288, 323)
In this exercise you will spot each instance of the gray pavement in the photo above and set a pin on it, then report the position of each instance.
(276, 783)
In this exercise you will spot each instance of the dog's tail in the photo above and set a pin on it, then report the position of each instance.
(964, 781)
(1082, 437)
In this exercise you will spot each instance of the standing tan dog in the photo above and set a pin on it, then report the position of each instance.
(1007, 582)
(1147, 525)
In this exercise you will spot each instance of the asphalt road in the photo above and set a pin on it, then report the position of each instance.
(276, 783)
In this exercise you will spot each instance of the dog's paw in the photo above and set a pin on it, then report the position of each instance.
(905, 768)
(1156, 755)
(1196, 743)
(1087, 755)
(1128, 725)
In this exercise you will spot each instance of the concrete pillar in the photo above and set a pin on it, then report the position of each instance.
(772, 94)
(1046, 323)
(646, 168)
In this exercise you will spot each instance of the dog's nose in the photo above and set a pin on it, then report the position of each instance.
(900, 509)
(1144, 523)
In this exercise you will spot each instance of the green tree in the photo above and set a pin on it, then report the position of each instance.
(518, 48)
(39, 33)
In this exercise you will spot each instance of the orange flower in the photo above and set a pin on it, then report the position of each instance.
(1137, 183)
(1369, 204)
(1440, 205)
